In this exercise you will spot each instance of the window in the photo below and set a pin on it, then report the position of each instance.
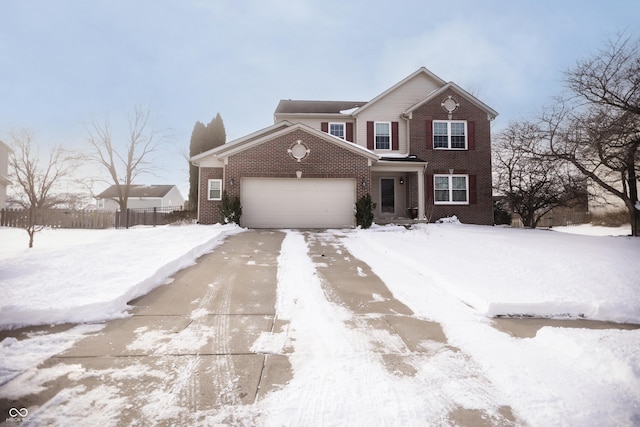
(215, 189)
(383, 135)
(337, 130)
(451, 189)
(450, 135)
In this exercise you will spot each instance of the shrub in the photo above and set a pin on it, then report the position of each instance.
(500, 213)
(230, 209)
(364, 211)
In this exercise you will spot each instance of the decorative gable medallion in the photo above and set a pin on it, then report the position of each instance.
(450, 104)
(298, 151)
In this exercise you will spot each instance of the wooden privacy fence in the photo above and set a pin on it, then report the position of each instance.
(557, 219)
(57, 218)
(151, 216)
(68, 218)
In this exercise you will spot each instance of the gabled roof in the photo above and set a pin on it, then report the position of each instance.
(436, 93)
(419, 71)
(137, 191)
(243, 140)
(275, 131)
(288, 106)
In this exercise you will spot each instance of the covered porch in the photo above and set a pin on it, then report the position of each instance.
(398, 190)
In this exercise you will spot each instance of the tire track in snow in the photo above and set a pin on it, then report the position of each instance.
(427, 293)
(461, 383)
(223, 369)
(336, 379)
(186, 385)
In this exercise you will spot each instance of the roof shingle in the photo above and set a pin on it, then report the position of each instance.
(288, 106)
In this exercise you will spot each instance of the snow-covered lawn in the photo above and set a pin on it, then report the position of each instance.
(457, 275)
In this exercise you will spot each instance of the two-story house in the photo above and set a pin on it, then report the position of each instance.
(421, 149)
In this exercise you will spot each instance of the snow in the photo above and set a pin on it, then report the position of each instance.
(582, 377)
(89, 275)
(454, 274)
(349, 111)
(590, 230)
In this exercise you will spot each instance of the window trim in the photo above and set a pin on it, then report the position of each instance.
(375, 136)
(209, 182)
(449, 147)
(344, 129)
(450, 189)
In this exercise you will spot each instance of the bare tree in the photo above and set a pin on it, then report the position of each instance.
(532, 184)
(38, 179)
(124, 162)
(597, 129)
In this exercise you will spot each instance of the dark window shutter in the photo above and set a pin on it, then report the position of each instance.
(471, 130)
(429, 133)
(473, 190)
(349, 131)
(429, 178)
(370, 135)
(324, 127)
(394, 136)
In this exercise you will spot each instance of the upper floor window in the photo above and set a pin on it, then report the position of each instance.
(337, 130)
(450, 134)
(451, 189)
(215, 189)
(382, 135)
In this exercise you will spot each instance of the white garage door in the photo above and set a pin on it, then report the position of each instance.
(297, 203)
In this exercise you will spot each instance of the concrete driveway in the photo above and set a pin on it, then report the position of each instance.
(188, 347)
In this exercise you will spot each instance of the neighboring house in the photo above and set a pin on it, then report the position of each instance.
(141, 196)
(421, 148)
(4, 173)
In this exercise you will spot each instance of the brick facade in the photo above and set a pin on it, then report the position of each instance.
(271, 159)
(266, 153)
(208, 210)
(475, 161)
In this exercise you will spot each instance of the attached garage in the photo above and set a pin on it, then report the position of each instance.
(297, 202)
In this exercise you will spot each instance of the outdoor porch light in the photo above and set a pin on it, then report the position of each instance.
(231, 181)
(364, 183)
(401, 180)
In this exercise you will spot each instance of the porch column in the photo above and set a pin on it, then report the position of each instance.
(421, 206)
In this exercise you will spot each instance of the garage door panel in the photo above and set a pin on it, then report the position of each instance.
(297, 203)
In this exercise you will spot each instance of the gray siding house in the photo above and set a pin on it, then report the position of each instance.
(141, 196)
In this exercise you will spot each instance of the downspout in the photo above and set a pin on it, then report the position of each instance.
(199, 188)
(408, 117)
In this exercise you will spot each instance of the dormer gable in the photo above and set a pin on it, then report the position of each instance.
(491, 113)
(412, 88)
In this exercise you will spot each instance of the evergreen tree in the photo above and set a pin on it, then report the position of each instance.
(216, 134)
(195, 147)
(203, 138)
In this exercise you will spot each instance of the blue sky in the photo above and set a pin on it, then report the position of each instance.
(68, 62)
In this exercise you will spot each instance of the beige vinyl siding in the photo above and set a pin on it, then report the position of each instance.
(315, 121)
(390, 107)
(211, 162)
(312, 122)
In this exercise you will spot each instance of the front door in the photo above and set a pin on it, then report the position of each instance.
(387, 195)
